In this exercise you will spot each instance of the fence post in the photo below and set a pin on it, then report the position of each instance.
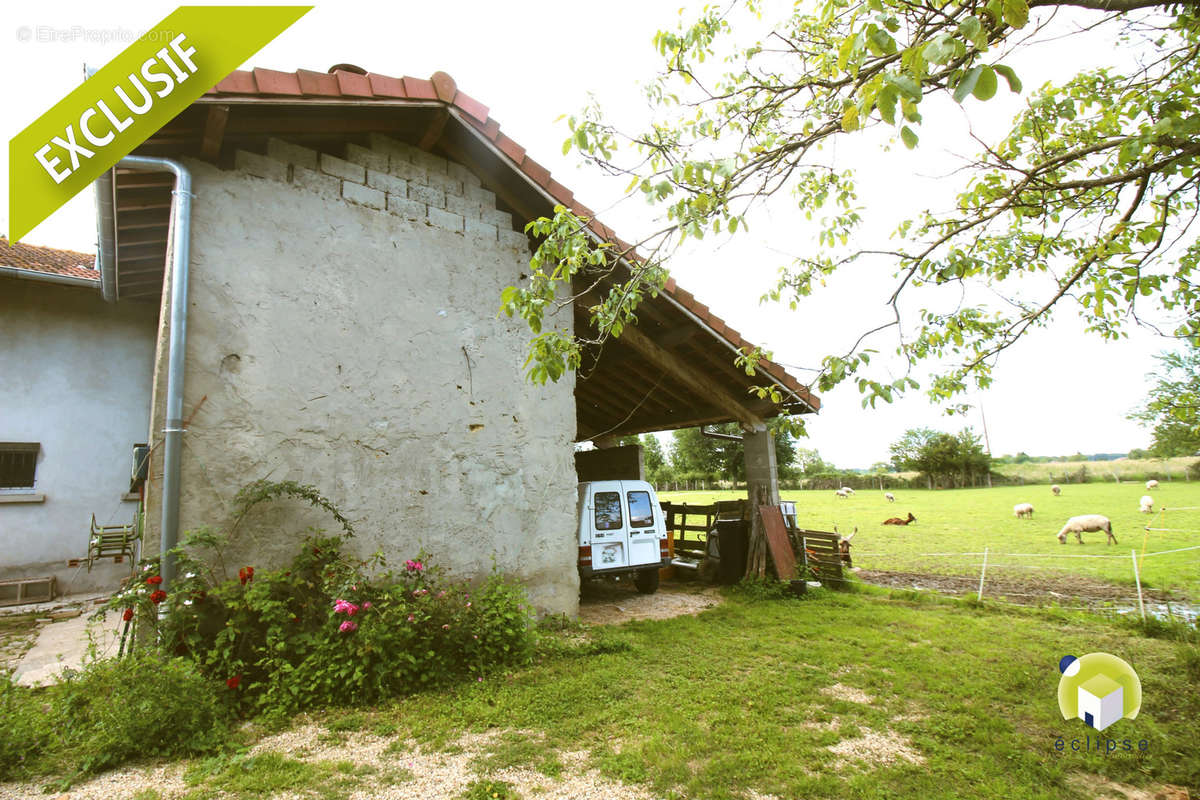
(1138, 580)
(982, 572)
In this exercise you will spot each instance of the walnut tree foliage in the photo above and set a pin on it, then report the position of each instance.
(1086, 203)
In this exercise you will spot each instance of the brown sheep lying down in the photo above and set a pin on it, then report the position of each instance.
(898, 521)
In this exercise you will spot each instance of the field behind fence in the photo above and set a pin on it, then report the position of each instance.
(955, 527)
(1138, 470)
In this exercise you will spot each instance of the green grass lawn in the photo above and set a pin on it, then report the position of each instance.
(751, 696)
(968, 520)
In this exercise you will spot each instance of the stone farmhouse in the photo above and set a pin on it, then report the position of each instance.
(345, 237)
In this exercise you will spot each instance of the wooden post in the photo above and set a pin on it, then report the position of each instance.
(982, 572)
(1138, 580)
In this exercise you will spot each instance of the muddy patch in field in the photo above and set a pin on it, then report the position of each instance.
(1024, 588)
(606, 603)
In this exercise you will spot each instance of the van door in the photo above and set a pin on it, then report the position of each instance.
(643, 532)
(609, 527)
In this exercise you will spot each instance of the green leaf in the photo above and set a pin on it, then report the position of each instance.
(1016, 12)
(907, 86)
(1014, 83)
(909, 137)
(885, 101)
(967, 84)
(985, 86)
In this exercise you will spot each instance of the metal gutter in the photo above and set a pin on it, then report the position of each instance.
(48, 277)
(180, 246)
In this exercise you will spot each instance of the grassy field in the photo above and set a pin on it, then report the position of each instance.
(842, 695)
(1125, 469)
(968, 520)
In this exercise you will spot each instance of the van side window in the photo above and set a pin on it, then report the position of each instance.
(608, 511)
(640, 513)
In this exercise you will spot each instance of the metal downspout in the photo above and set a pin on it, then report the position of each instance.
(106, 236)
(181, 227)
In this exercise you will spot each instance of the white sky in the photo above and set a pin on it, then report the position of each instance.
(1056, 393)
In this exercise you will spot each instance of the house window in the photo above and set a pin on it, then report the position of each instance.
(18, 463)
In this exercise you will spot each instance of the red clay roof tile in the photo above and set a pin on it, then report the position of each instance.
(352, 84)
(444, 86)
(274, 82)
(471, 106)
(539, 174)
(417, 87)
(559, 192)
(510, 148)
(238, 82)
(383, 86)
(321, 84)
(49, 260)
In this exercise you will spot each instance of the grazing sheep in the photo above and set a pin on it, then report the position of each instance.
(898, 521)
(1056, 489)
(1023, 510)
(848, 491)
(1151, 484)
(844, 548)
(1146, 504)
(841, 493)
(891, 498)
(1087, 522)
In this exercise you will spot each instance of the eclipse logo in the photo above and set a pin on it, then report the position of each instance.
(1099, 689)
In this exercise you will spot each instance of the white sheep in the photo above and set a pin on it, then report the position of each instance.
(1056, 489)
(891, 498)
(1146, 504)
(1087, 522)
(842, 493)
(1023, 510)
(847, 490)
(1151, 484)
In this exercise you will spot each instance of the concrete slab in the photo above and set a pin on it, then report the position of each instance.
(66, 644)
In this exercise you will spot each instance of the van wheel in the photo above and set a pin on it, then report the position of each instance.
(646, 581)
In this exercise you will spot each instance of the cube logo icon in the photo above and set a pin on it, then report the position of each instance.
(1098, 689)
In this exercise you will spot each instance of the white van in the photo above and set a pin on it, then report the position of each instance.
(621, 531)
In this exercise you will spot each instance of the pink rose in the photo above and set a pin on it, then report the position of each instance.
(349, 626)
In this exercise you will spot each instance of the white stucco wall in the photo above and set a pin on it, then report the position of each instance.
(343, 327)
(76, 375)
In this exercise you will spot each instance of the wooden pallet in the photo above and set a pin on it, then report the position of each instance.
(822, 556)
(26, 590)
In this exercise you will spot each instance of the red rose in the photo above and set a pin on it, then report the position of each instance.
(233, 682)
(157, 596)
(154, 580)
(245, 575)
(128, 615)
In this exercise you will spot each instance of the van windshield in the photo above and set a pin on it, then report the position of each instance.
(641, 515)
(608, 511)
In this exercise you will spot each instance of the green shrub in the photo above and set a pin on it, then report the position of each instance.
(325, 632)
(330, 629)
(112, 711)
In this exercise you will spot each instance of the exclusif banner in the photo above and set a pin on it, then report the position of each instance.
(127, 101)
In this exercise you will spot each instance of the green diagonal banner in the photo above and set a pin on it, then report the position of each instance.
(127, 101)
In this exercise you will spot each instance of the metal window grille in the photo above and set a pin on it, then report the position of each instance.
(18, 464)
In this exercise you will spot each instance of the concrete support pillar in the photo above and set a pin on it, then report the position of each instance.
(761, 469)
